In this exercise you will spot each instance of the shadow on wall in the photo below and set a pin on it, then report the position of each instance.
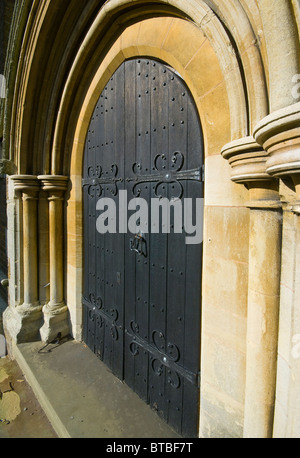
(3, 249)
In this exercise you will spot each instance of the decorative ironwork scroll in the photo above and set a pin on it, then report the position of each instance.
(165, 175)
(97, 178)
(96, 311)
(163, 354)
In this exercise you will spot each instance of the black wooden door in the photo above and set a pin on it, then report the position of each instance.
(142, 289)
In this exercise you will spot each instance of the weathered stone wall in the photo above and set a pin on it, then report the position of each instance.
(3, 245)
(6, 12)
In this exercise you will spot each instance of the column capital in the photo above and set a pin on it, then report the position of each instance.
(247, 159)
(54, 183)
(26, 184)
(279, 135)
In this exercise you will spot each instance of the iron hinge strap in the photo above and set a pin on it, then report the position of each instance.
(168, 177)
(165, 360)
(161, 178)
(100, 181)
(111, 317)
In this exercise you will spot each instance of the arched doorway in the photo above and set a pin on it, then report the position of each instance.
(143, 195)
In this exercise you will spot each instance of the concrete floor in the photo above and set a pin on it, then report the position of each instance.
(80, 396)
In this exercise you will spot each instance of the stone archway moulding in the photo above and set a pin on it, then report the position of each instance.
(249, 52)
(240, 61)
(226, 25)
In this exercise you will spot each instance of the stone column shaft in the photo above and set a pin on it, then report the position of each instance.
(55, 312)
(23, 321)
(248, 160)
(44, 276)
(263, 310)
(30, 248)
(287, 409)
(56, 219)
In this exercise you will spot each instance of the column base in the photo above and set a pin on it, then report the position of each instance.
(22, 323)
(56, 322)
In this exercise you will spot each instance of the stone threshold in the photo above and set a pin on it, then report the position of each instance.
(82, 398)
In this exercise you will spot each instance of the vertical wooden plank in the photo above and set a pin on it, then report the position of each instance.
(176, 253)
(106, 162)
(99, 294)
(118, 250)
(130, 147)
(143, 135)
(92, 230)
(193, 283)
(114, 241)
(158, 246)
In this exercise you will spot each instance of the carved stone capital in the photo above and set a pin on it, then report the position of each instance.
(279, 134)
(54, 184)
(247, 159)
(26, 184)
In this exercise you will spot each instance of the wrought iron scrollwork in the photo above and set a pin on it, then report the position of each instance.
(165, 174)
(163, 356)
(97, 312)
(97, 178)
(170, 349)
(97, 302)
(171, 354)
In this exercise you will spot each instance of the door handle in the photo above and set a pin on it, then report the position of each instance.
(139, 245)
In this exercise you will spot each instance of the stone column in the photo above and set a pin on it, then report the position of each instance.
(293, 417)
(56, 320)
(282, 41)
(23, 321)
(44, 279)
(287, 408)
(263, 308)
(279, 133)
(248, 161)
